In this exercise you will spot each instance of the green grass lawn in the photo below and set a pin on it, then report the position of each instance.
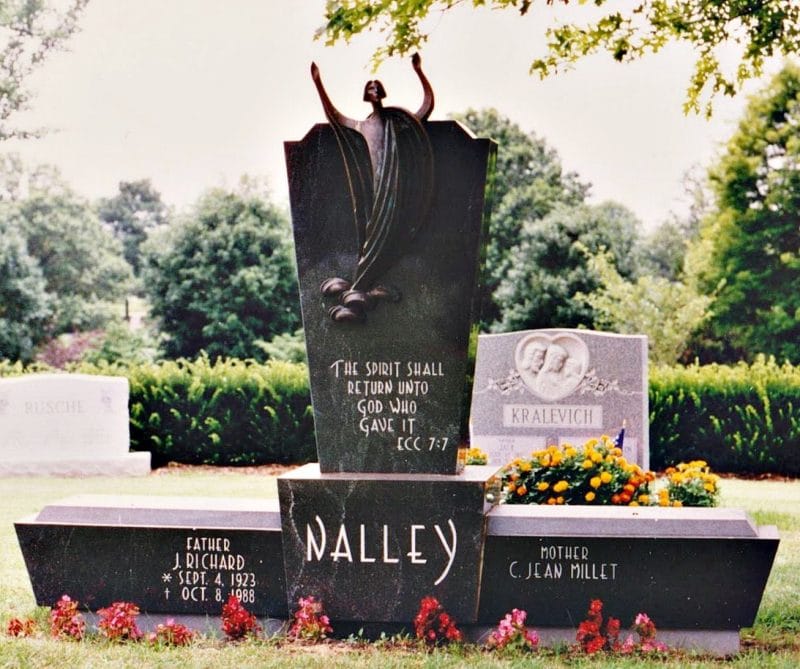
(773, 642)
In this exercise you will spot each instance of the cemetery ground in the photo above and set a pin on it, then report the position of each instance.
(774, 641)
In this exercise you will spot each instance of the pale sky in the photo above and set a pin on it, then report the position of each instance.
(194, 93)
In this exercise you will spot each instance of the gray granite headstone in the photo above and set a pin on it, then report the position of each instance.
(540, 387)
(68, 425)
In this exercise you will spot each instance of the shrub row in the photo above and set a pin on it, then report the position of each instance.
(230, 412)
(740, 418)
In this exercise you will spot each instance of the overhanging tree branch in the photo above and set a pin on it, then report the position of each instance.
(759, 28)
(29, 31)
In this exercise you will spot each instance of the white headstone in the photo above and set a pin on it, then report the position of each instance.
(540, 387)
(68, 425)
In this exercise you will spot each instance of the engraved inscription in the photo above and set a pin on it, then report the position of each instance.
(208, 569)
(563, 561)
(350, 544)
(389, 398)
(53, 407)
(553, 415)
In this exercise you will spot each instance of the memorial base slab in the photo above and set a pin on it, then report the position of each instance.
(698, 573)
(176, 555)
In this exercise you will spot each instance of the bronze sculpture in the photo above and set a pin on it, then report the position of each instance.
(388, 160)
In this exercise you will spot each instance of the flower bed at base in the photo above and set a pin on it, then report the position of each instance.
(433, 627)
(597, 473)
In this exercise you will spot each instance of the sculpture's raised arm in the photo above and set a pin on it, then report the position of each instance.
(333, 114)
(427, 101)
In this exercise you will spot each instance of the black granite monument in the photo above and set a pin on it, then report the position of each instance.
(388, 257)
(179, 556)
(389, 217)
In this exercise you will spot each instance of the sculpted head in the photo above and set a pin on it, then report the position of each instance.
(374, 91)
(555, 358)
(533, 357)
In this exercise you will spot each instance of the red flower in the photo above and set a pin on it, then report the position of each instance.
(593, 636)
(66, 622)
(118, 622)
(171, 634)
(19, 628)
(310, 623)
(237, 621)
(594, 645)
(612, 633)
(433, 624)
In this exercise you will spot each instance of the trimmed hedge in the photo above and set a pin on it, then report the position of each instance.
(231, 412)
(740, 418)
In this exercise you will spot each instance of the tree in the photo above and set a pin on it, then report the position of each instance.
(663, 252)
(63, 270)
(25, 306)
(529, 183)
(752, 241)
(223, 277)
(550, 266)
(668, 312)
(759, 29)
(80, 261)
(131, 214)
(29, 31)
(119, 343)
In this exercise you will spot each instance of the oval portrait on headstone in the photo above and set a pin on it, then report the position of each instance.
(552, 367)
